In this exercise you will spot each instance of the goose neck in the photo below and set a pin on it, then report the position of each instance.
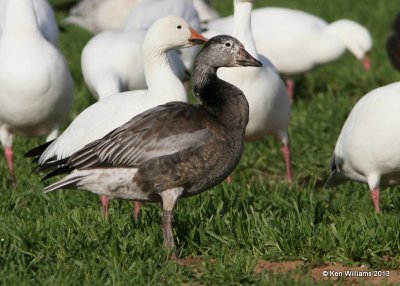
(156, 66)
(336, 30)
(220, 98)
(20, 16)
(242, 26)
(352, 35)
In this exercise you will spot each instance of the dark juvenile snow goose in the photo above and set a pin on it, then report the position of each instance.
(173, 150)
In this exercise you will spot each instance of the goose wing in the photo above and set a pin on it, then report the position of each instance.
(161, 131)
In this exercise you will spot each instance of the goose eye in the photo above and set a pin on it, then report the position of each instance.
(179, 27)
(227, 44)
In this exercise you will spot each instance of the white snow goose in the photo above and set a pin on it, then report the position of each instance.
(113, 111)
(368, 147)
(143, 15)
(296, 41)
(35, 83)
(44, 16)
(173, 150)
(266, 93)
(112, 61)
(100, 15)
(205, 10)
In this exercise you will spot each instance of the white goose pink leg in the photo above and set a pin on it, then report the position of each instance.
(6, 139)
(290, 89)
(288, 161)
(10, 160)
(105, 201)
(375, 198)
(136, 210)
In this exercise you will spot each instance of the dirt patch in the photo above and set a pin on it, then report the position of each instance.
(354, 275)
(334, 272)
(192, 262)
(278, 267)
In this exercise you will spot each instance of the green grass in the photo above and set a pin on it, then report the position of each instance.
(61, 238)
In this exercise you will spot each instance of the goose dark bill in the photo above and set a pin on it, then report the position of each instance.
(247, 60)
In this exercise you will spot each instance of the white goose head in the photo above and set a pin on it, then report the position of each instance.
(172, 32)
(355, 37)
(165, 34)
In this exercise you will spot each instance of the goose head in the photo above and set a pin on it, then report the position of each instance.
(226, 51)
(219, 51)
(355, 37)
(172, 32)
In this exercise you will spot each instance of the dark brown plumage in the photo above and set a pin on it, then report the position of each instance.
(393, 43)
(172, 150)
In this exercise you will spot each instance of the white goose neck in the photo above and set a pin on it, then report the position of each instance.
(159, 75)
(339, 31)
(242, 26)
(20, 16)
(155, 64)
(352, 35)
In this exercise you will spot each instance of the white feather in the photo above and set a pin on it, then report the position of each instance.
(296, 41)
(35, 84)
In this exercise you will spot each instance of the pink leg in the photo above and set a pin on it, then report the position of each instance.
(375, 198)
(136, 212)
(10, 160)
(105, 202)
(229, 179)
(290, 88)
(288, 161)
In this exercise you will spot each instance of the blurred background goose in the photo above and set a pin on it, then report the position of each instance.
(44, 16)
(103, 15)
(145, 13)
(266, 93)
(112, 61)
(113, 111)
(206, 11)
(368, 147)
(35, 83)
(100, 15)
(173, 150)
(296, 41)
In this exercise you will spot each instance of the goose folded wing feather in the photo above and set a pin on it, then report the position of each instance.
(145, 137)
